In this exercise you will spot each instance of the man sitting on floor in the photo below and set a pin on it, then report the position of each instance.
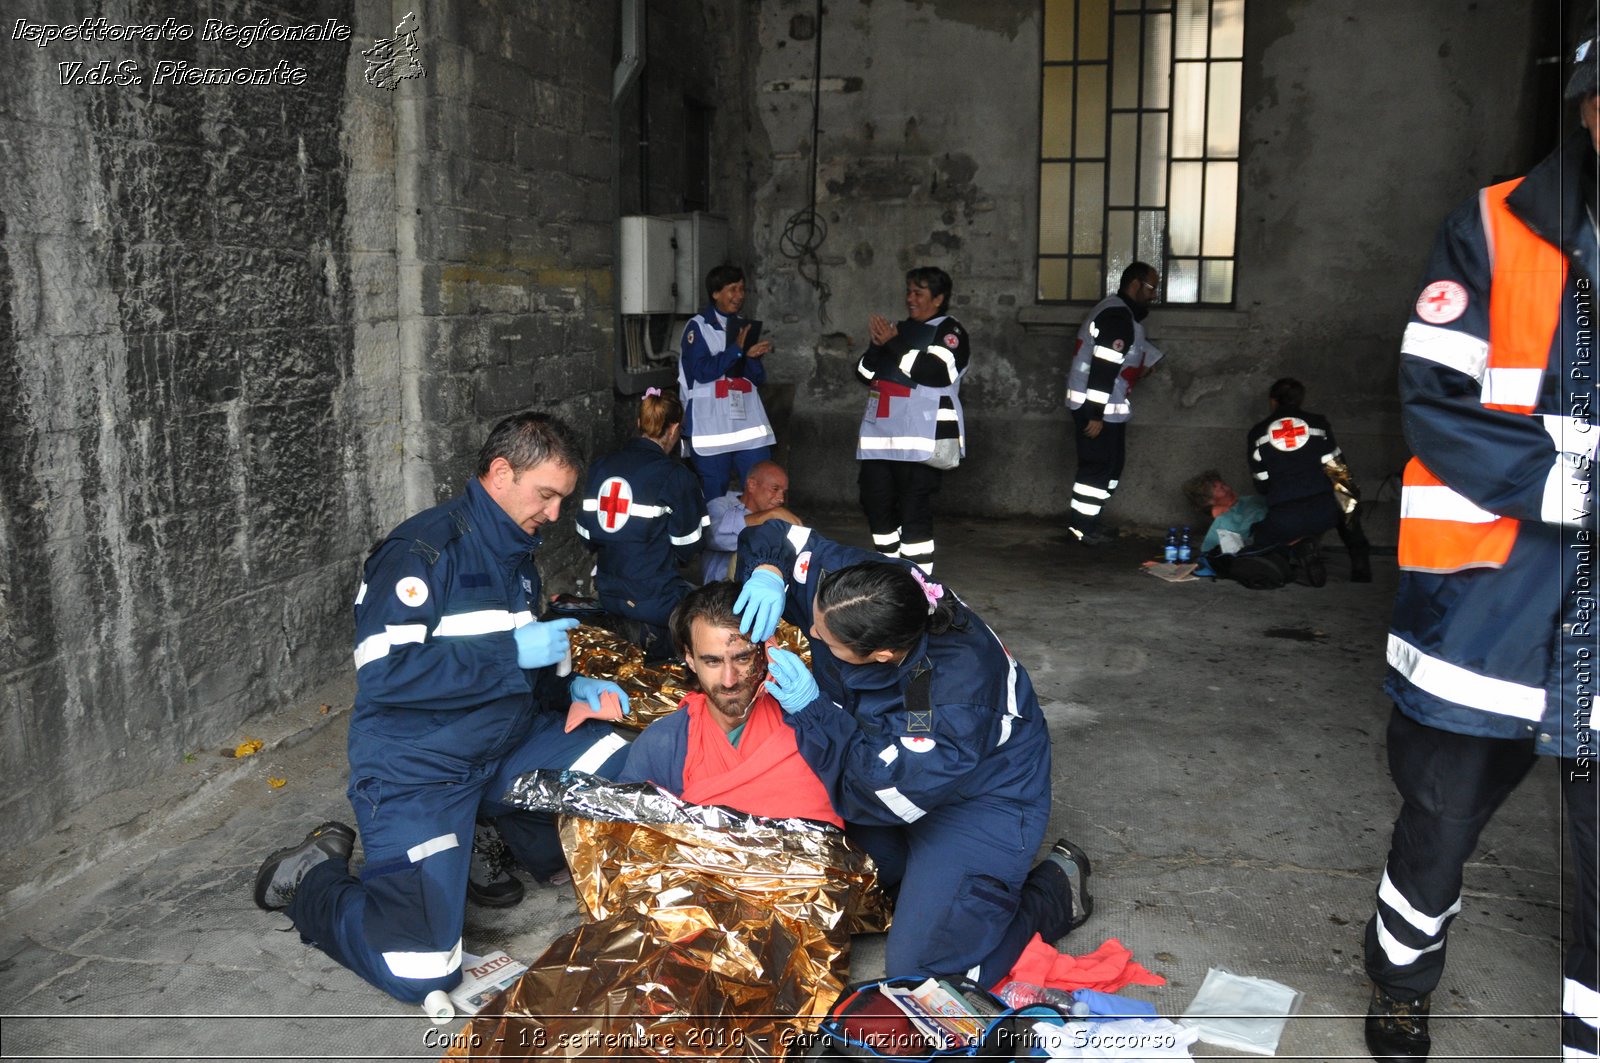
(728, 744)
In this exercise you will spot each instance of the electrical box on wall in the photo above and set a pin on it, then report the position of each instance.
(702, 243)
(648, 266)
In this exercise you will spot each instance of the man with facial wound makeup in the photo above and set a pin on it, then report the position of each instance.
(931, 741)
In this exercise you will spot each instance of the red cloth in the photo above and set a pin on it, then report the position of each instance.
(1108, 968)
(764, 775)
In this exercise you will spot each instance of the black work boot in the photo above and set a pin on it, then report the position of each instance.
(1397, 1030)
(281, 873)
(1075, 862)
(1308, 561)
(1360, 567)
(490, 883)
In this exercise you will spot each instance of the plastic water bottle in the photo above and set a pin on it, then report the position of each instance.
(1185, 551)
(1170, 553)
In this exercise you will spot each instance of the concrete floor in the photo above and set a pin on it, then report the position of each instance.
(1218, 752)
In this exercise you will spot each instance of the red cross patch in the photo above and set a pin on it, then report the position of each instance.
(615, 496)
(1289, 433)
(952, 341)
(1442, 302)
(802, 567)
(688, 337)
(412, 591)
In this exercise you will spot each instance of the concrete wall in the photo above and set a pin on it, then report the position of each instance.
(1363, 125)
(244, 330)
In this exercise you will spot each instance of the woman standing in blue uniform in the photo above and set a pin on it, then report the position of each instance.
(931, 741)
(643, 514)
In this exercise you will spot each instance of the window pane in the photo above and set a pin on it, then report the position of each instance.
(1119, 245)
(1058, 29)
(1125, 63)
(1157, 59)
(1124, 151)
(1153, 160)
(1222, 194)
(1189, 110)
(1052, 279)
(1055, 123)
(1222, 123)
(1216, 282)
(1183, 220)
(1055, 207)
(1094, 22)
(1091, 138)
(1227, 29)
(1128, 5)
(1088, 211)
(1191, 35)
(1183, 280)
(1152, 236)
(1086, 279)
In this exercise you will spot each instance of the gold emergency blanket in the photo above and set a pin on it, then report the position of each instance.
(717, 935)
(655, 689)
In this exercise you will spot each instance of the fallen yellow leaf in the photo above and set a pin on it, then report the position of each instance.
(248, 748)
(275, 783)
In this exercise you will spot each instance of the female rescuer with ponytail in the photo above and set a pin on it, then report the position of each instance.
(930, 739)
(643, 515)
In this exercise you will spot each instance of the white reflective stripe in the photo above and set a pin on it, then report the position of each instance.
(947, 415)
(685, 540)
(361, 595)
(890, 754)
(974, 973)
(1075, 396)
(1099, 396)
(477, 622)
(1400, 954)
(583, 531)
(1581, 1002)
(911, 550)
(1566, 492)
(1107, 354)
(910, 359)
(1086, 508)
(1512, 387)
(598, 753)
(1262, 475)
(720, 439)
(635, 509)
(1329, 459)
(1112, 486)
(1118, 407)
(1571, 435)
(1570, 1053)
(417, 853)
(1446, 347)
(1463, 686)
(1390, 894)
(524, 617)
(892, 539)
(895, 443)
(420, 965)
(899, 805)
(926, 566)
(798, 537)
(1440, 503)
(374, 647)
(1090, 491)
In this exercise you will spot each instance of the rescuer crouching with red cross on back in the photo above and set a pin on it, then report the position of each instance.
(1289, 457)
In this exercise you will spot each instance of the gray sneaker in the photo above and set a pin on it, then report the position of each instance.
(1075, 862)
(281, 873)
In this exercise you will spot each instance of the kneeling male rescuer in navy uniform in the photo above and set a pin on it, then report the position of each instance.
(457, 695)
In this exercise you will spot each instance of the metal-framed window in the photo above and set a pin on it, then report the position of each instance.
(1139, 146)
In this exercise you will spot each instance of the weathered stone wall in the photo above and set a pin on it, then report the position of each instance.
(244, 330)
(1363, 125)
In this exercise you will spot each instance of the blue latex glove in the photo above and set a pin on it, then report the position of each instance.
(586, 689)
(790, 680)
(541, 645)
(760, 605)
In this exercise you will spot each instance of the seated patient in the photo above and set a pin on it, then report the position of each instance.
(762, 499)
(1232, 517)
(728, 744)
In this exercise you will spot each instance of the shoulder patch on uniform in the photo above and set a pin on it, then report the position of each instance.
(1288, 433)
(688, 337)
(411, 591)
(802, 567)
(1117, 345)
(1442, 302)
(952, 340)
(612, 500)
(917, 745)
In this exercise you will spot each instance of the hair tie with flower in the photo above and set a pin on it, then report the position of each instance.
(933, 591)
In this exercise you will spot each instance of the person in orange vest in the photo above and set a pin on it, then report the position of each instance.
(1493, 646)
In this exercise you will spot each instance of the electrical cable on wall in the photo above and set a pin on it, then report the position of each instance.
(805, 230)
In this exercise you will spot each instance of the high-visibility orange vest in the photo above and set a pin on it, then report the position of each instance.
(1440, 530)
